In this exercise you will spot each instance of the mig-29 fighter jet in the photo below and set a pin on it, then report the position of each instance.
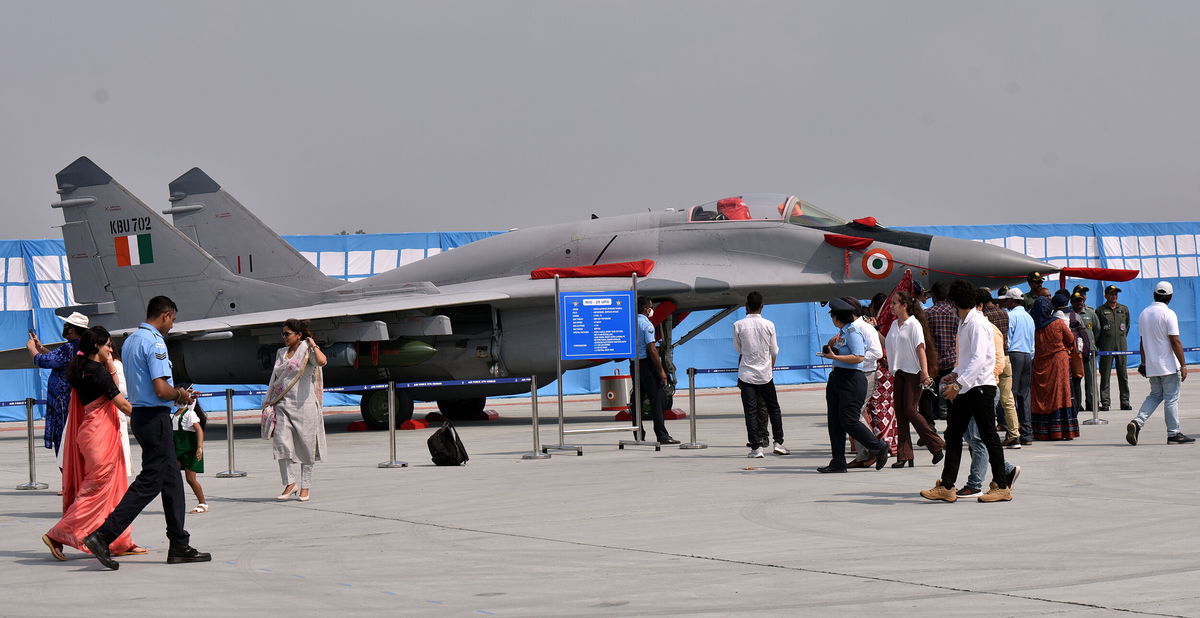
(477, 311)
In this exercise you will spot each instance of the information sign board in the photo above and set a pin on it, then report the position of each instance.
(596, 324)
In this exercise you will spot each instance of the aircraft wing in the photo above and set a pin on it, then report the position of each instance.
(351, 308)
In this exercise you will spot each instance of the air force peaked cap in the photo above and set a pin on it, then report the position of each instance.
(838, 304)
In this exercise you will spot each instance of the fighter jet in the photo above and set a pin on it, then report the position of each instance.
(482, 310)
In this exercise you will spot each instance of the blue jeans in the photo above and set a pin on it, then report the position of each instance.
(1163, 389)
(979, 457)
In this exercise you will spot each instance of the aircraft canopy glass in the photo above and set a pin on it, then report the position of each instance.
(768, 206)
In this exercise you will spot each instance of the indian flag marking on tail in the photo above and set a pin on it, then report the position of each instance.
(134, 250)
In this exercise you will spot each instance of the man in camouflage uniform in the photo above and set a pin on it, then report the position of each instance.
(1034, 280)
(1114, 328)
(1091, 325)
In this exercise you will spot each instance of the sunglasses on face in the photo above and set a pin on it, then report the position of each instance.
(287, 334)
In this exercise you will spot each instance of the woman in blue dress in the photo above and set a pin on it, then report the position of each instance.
(58, 391)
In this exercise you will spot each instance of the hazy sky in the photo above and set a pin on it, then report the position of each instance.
(490, 114)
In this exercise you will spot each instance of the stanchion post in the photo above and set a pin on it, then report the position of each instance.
(1093, 363)
(691, 373)
(33, 483)
(391, 400)
(537, 452)
(232, 472)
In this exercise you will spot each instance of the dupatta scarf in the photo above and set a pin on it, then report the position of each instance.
(284, 377)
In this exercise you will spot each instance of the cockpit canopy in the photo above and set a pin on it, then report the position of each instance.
(764, 206)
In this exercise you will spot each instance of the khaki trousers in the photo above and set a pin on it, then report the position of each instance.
(1007, 404)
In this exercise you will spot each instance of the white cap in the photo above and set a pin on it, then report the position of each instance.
(75, 319)
(1164, 288)
(1014, 294)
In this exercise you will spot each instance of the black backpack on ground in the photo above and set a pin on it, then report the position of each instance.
(446, 448)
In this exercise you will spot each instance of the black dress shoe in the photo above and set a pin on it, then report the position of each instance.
(900, 463)
(881, 457)
(187, 553)
(1126, 406)
(938, 456)
(98, 545)
(831, 469)
(668, 440)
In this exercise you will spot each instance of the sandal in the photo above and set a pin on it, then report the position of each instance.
(55, 547)
(133, 551)
(200, 508)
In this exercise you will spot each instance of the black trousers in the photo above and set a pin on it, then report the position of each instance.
(160, 475)
(979, 404)
(653, 389)
(756, 397)
(844, 396)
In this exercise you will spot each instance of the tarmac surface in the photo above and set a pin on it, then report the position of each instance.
(1096, 527)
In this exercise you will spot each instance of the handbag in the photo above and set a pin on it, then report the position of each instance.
(1076, 364)
(446, 448)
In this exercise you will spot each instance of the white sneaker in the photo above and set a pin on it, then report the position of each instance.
(755, 454)
(779, 450)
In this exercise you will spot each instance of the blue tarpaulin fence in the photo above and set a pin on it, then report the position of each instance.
(35, 282)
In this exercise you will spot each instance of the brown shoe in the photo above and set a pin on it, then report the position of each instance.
(995, 494)
(939, 493)
(861, 463)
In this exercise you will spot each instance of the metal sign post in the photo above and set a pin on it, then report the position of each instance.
(33, 482)
(533, 409)
(232, 472)
(590, 325)
(391, 400)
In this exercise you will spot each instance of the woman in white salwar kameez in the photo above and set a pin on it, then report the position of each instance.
(292, 416)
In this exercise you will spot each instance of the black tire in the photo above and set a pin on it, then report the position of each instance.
(373, 408)
(461, 409)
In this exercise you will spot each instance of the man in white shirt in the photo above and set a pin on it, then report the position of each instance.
(870, 368)
(1162, 363)
(971, 389)
(757, 347)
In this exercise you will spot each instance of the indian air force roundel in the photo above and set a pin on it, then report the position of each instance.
(877, 263)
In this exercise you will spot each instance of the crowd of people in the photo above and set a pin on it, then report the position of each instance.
(1011, 363)
(985, 364)
(98, 392)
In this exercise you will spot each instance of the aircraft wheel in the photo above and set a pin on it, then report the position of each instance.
(373, 408)
(461, 409)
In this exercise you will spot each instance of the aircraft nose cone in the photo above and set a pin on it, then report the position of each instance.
(980, 263)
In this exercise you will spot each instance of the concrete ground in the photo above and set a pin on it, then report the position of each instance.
(1096, 527)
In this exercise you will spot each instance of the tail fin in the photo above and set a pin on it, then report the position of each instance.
(213, 219)
(121, 254)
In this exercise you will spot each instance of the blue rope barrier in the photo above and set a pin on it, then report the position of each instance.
(780, 368)
(1133, 352)
(345, 389)
(10, 404)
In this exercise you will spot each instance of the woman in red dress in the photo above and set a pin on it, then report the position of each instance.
(94, 478)
(1050, 389)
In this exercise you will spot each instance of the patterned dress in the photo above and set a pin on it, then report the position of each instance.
(1050, 394)
(58, 391)
(881, 410)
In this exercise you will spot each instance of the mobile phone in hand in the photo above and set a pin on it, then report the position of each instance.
(825, 349)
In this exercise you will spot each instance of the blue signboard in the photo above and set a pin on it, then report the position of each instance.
(596, 324)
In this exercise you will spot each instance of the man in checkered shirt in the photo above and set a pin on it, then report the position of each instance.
(943, 326)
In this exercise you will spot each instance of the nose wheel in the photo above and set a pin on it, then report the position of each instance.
(374, 408)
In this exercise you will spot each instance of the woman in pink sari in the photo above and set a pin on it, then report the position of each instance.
(94, 478)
